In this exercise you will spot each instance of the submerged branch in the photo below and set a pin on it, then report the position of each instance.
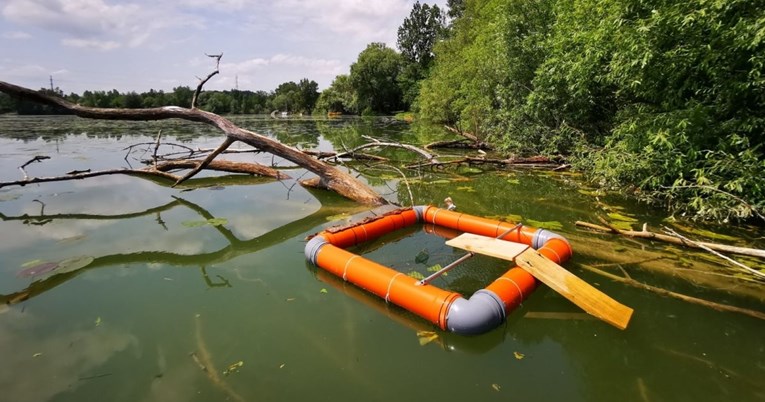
(664, 292)
(703, 247)
(645, 234)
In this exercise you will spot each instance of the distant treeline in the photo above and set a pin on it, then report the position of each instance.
(289, 97)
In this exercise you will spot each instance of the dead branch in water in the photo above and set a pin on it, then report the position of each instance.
(329, 177)
(646, 234)
(38, 158)
(202, 81)
(205, 363)
(541, 162)
(664, 292)
(160, 171)
(703, 247)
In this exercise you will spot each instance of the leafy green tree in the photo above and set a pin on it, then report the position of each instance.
(309, 94)
(287, 97)
(7, 103)
(339, 97)
(130, 100)
(419, 33)
(374, 76)
(181, 96)
(456, 8)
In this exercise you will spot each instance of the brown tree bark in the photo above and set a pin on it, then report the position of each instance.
(329, 177)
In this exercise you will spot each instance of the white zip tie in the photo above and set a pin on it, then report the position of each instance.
(387, 295)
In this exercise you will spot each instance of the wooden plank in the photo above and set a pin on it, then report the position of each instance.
(573, 288)
(487, 246)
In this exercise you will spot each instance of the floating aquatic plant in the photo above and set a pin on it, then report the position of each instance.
(619, 217)
(426, 337)
(550, 225)
(416, 275)
(38, 269)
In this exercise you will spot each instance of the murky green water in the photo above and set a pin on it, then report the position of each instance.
(166, 294)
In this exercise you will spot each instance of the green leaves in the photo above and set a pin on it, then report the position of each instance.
(657, 99)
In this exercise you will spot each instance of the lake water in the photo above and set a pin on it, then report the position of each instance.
(202, 293)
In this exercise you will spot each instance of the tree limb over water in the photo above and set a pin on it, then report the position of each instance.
(330, 177)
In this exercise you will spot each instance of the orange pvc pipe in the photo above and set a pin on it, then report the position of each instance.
(427, 301)
(478, 225)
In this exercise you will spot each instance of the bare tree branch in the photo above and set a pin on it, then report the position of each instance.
(202, 82)
(226, 143)
(330, 177)
(38, 158)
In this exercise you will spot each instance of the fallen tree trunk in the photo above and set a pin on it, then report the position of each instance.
(541, 162)
(224, 166)
(471, 141)
(329, 177)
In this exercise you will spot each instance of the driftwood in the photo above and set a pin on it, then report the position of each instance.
(470, 136)
(458, 144)
(329, 177)
(335, 155)
(646, 234)
(540, 162)
(470, 141)
(160, 171)
(379, 144)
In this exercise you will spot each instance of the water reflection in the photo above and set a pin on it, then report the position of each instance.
(235, 247)
(40, 364)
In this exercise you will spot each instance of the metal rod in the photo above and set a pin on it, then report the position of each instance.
(441, 271)
(507, 232)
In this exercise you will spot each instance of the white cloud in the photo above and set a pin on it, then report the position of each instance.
(315, 65)
(361, 20)
(16, 35)
(91, 43)
(24, 71)
(96, 23)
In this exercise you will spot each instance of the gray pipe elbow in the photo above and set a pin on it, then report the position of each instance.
(419, 210)
(542, 236)
(483, 312)
(313, 246)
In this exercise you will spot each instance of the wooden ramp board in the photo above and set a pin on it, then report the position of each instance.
(503, 249)
(551, 274)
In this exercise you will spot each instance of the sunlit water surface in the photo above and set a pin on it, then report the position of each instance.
(171, 304)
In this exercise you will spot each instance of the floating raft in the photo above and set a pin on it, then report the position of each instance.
(483, 311)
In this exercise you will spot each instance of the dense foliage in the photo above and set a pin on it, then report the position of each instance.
(661, 98)
(374, 76)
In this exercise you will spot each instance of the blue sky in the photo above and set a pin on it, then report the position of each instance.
(136, 45)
